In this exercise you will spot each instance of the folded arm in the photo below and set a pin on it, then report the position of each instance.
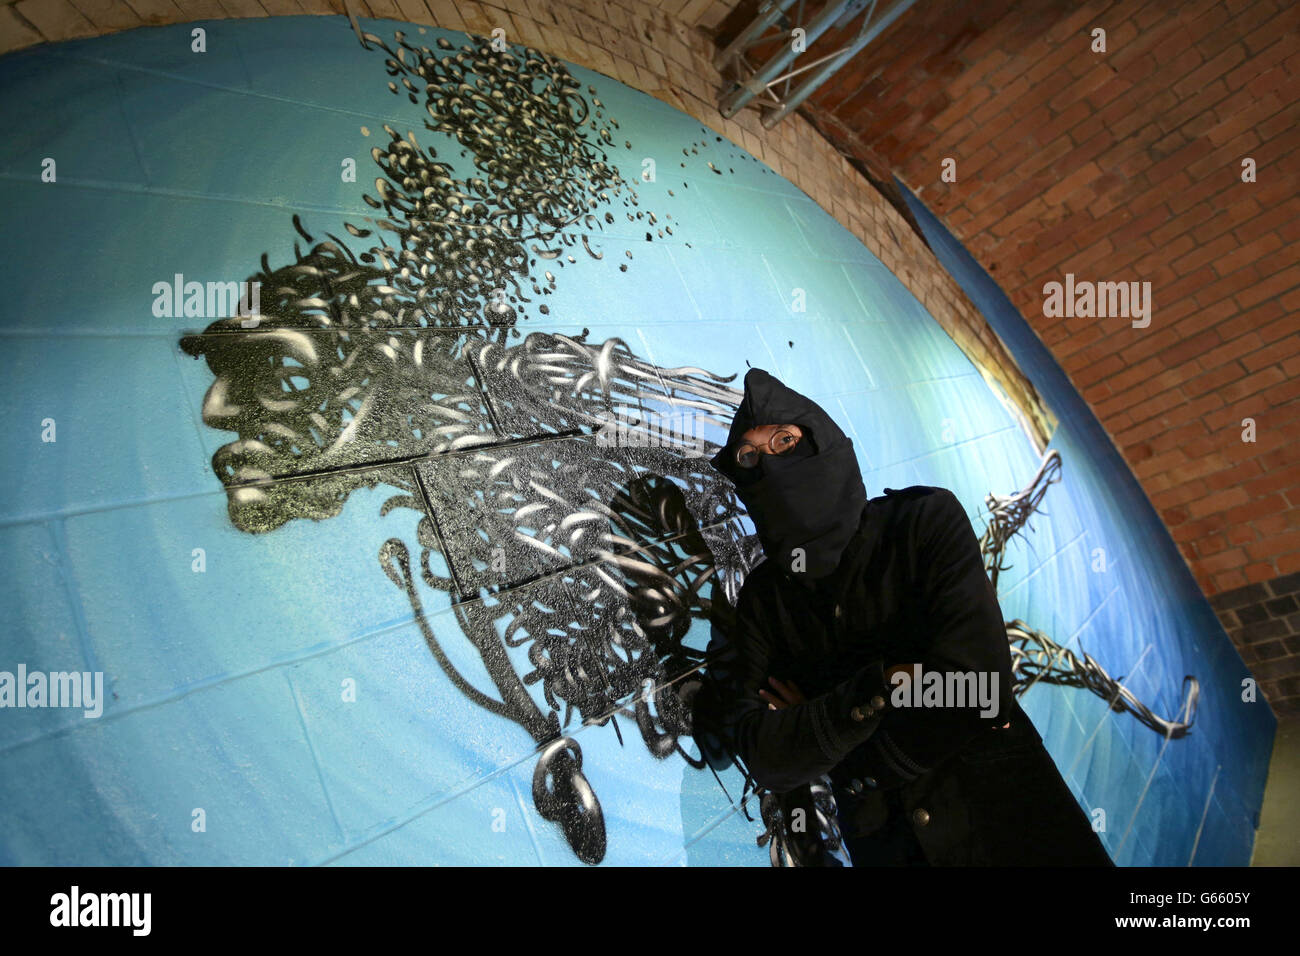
(785, 748)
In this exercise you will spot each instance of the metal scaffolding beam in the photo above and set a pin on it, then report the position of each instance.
(756, 84)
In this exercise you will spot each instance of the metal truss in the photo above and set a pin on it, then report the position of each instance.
(756, 85)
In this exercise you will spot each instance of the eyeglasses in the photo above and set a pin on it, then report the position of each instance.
(780, 443)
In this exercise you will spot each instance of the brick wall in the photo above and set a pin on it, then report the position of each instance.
(1264, 622)
(1125, 166)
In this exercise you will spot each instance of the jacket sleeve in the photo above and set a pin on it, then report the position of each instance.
(965, 631)
(783, 749)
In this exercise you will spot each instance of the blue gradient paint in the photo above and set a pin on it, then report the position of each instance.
(225, 686)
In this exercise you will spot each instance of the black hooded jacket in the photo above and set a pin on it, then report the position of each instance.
(805, 504)
(899, 580)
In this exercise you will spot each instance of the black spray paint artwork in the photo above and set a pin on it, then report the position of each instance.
(405, 366)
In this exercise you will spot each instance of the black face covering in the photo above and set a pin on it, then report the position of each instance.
(810, 498)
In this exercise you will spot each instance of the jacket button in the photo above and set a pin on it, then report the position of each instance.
(856, 714)
(870, 781)
(855, 786)
(878, 702)
(922, 817)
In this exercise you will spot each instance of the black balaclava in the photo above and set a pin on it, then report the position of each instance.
(810, 498)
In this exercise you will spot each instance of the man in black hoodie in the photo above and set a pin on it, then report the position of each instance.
(856, 599)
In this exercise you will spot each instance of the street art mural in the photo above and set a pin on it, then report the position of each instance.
(577, 538)
(395, 365)
(414, 555)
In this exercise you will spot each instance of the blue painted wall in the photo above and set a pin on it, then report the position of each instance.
(224, 686)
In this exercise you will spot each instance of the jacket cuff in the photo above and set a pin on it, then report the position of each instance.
(850, 713)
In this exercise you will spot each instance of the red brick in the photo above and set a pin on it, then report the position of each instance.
(1228, 264)
(978, 71)
(1187, 285)
(1274, 285)
(1274, 31)
(1259, 223)
(1181, 159)
(1204, 254)
(1241, 210)
(1274, 479)
(961, 107)
(1269, 263)
(1256, 65)
(1211, 70)
(1233, 285)
(1239, 475)
(1250, 384)
(1098, 74)
(1082, 176)
(1274, 545)
(1226, 560)
(1059, 124)
(1183, 193)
